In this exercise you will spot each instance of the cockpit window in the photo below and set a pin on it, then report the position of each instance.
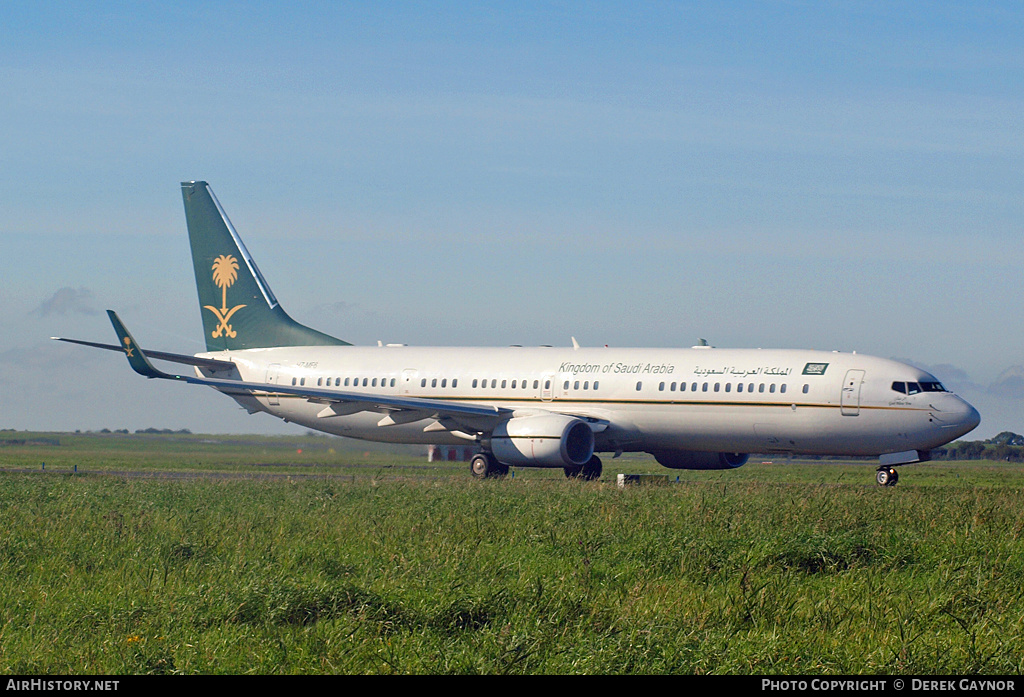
(916, 387)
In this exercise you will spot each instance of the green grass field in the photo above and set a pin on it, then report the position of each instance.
(345, 561)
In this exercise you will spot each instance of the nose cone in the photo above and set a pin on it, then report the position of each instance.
(971, 419)
(960, 420)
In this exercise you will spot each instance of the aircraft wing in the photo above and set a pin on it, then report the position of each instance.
(450, 416)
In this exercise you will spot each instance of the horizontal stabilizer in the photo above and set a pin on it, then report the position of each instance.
(209, 363)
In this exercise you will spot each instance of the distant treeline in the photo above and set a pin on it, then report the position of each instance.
(29, 441)
(1007, 447)
(141, 430)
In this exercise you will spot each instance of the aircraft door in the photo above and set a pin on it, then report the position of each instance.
(272, 378)
(849, 401)
(547, 387)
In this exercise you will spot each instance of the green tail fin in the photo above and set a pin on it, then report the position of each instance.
(239, 310)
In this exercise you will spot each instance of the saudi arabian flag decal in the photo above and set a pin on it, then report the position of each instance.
(815, 368)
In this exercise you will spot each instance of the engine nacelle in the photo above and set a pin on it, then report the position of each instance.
(543, 440)
(695, 460)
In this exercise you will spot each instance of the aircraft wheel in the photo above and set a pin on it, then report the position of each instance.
(484, 465)
(587, 472)
(887, 476)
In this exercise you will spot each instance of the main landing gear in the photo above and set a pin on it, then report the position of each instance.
(587, 472)
(887, 476)
(485, 465)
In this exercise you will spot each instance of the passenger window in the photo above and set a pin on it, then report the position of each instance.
(728, 387)
(423, 382)
(565, 385)
(494, 383)
(293, 381)
(717, 386)
(374, 383)
(806, 388)
(595, 384)
(661, 387)
(771, 388)
(576, 385)
(503, 383)
(705, 387)
(444, 382)
(638, 386)
(586, 384)
(455, 382)
(782, 389)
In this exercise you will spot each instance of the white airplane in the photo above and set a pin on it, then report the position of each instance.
(695, 408)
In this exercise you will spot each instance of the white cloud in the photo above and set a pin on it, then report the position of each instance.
(67, 301)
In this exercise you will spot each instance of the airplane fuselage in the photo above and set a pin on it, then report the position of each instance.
(698, 399)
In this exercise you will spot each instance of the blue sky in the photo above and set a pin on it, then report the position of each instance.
(821, 175)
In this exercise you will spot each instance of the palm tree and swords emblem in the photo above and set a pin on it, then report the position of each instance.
(225, 273)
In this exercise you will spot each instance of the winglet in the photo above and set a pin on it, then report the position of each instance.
(136, 358)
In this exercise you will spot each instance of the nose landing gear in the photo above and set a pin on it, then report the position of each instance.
(887, 476)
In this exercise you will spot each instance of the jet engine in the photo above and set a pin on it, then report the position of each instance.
(694, 460)
(543, 440)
